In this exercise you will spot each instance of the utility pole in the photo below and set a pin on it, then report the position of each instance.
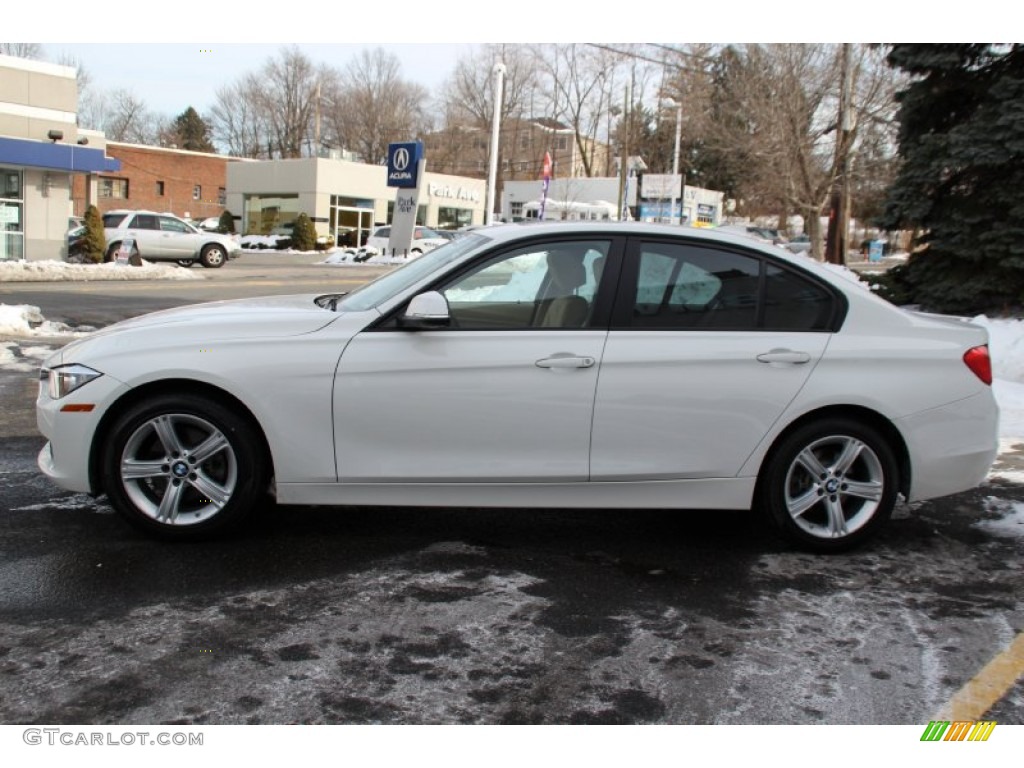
(623, 202)
(836, 244)
(492, 175)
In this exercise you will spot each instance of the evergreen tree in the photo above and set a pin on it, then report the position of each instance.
(226, 223)
(961, 183)
(304, 237)
(93, 245)
(190, 131)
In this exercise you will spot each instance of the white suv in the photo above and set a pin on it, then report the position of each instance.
(164, 237)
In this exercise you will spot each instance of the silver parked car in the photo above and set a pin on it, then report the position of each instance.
(164, 237)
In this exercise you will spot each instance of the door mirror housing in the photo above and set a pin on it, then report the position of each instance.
(426, 310)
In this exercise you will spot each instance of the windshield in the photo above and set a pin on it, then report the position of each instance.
(393, 283)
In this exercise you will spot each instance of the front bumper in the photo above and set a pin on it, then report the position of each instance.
(65, 458)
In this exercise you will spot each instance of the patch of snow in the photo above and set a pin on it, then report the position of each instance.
(1011, 521)
(60, 271)
(27, 320)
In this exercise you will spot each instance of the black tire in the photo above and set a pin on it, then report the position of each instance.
(184, 466)
(185, 263)
(111, 253)
(213, 256)
(830, 485)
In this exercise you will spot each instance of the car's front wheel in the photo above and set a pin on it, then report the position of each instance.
(212, 256)
(183, 466)
(830, 485)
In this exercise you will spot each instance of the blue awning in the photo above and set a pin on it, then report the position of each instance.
(55, 156)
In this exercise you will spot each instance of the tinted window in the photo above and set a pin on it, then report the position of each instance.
(144, 221)
(113, 220)
(173, 225)
(549, 285)
(682, 286)
(793, 303)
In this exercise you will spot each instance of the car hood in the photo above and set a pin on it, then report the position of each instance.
(271, 317)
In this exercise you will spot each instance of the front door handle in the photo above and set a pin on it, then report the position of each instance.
(565, 361)
(789, 356)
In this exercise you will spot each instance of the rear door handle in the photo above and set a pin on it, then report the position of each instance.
(789, 356)
(565, 361)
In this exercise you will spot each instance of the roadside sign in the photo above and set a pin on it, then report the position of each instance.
(124, 251)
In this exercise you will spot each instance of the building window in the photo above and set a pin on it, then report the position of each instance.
(262, 213)
(222, 196)
(453, 218)
(516, 209)
(197, 192)
(159, 189)
(12, 236)
(563, 143)
(524, 142)
(112, 188)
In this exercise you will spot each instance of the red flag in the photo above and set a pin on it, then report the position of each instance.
(546, 170)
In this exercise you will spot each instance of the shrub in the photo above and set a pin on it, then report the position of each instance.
(226, 223)
(304, 237)
(93, 245)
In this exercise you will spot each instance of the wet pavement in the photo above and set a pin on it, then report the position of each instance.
(396, 615)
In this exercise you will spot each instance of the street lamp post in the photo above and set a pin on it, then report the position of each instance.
(492, 174)
(675, 159)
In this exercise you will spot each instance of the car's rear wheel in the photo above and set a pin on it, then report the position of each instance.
(183, 466)
(133, 257)
(212, 256)
(830, 485)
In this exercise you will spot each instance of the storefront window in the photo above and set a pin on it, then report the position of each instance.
(263, 213)
(12, 228)
(453, 218)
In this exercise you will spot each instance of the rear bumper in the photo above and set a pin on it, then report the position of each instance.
(951, 448)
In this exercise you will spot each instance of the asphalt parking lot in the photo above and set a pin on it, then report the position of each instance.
(397, 615)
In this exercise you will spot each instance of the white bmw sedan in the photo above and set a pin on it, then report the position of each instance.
(557, 365)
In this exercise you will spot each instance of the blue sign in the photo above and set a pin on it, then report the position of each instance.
(403, 164)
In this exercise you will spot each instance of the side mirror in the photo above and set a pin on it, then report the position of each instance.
(427, 310)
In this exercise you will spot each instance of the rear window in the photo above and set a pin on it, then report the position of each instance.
(113, 220)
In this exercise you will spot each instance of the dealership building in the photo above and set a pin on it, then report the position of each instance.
(41, 151)
(344, 199)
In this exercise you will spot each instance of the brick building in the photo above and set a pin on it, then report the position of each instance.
(187, 184)
(522, 142)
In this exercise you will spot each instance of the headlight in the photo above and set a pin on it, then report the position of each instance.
(65, 379)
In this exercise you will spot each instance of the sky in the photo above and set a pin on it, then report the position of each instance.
(146, 48)
(170, 77)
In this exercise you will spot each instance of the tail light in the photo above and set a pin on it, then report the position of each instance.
(977, 359)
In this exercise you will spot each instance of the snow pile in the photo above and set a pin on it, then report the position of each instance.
(54, 271)
(14, 357)
(1011, 520)
(366, 255)
(26, 320)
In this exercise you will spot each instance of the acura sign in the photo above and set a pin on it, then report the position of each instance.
(403, 164)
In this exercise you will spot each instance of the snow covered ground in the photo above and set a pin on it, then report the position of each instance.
(53, 271)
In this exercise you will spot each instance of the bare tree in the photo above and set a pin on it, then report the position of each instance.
(22, 50)
(371, 105)
(580, 78)
(287, 99)
(128, 119)
(238, 122)
(468, 101)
